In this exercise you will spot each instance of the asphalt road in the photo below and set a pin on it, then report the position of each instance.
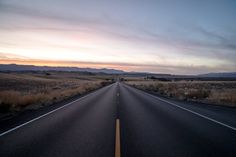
(150, 126)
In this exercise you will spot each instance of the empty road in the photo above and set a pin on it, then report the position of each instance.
(150, 126)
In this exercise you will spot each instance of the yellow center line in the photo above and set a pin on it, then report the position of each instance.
(117, 144)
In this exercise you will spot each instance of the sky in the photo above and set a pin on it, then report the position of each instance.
(160, 36)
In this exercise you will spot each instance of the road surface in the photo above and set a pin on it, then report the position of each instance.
(150, 126)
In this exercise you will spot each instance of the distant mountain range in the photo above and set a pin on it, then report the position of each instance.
(15, 67)
(18, 68)
(228, 74)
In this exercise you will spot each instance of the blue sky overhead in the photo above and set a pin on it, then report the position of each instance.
(162, 36)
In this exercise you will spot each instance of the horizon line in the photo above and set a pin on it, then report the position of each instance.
(57, 66)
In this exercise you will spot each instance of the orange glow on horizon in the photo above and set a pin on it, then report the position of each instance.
(65, 64)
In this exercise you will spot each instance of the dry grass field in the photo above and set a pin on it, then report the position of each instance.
(212, 92)
(20, 91)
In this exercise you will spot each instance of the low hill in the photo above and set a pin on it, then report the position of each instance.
(17, 68)
(228, 74)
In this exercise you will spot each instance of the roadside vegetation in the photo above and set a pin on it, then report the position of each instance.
(21, 91)
(212, 92)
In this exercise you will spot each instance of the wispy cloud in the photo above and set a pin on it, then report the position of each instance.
(8, 58)
(160, 42)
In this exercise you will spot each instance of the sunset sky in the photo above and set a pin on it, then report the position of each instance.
(162, 36)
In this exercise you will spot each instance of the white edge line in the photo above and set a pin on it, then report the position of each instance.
(37, 118)
(193, 112)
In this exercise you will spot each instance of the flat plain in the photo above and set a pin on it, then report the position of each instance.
(32, 90)
(211, 92)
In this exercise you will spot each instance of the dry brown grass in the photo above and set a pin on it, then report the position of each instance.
(27, 90)
(214, 92)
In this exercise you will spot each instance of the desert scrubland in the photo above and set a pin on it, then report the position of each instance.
(32, 90)
(212, 92)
